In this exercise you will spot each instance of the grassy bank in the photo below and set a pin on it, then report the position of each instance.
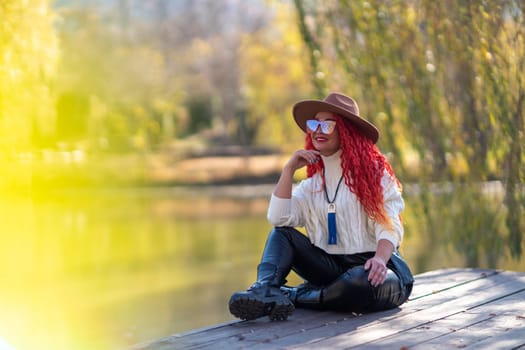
(67, 170)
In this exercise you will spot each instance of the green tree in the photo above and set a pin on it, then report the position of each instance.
(443, 81)
(29, 53)
(121, 76)
(274, 74)
(142, 64)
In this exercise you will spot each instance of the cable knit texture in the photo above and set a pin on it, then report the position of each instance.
(356, 232)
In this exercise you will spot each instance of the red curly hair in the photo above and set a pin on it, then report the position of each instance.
(363, 168)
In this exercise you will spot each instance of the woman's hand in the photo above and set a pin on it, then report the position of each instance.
(377, 270)
(298, 160)
(377, 265)
(301, 158)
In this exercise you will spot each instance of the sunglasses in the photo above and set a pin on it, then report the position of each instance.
(327, 126)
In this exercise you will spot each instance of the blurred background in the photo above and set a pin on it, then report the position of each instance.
(140, 141)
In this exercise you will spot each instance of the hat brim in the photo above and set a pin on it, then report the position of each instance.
(307, 109)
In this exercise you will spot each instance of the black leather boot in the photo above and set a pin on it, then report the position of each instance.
(264, 297)
(349, 292)
(305, 295)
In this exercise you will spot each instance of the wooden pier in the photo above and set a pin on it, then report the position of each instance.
(448, 309)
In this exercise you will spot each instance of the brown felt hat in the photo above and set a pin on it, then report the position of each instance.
(338, 103)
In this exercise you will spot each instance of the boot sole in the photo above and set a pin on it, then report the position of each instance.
(248, 309)
(252, 308)
(280, 312)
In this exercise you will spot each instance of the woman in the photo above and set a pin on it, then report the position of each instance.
(350, 205)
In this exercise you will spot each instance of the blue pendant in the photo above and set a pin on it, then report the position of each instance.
(332, 227)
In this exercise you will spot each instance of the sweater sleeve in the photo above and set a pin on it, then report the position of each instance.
(287, 211)
(394, 205)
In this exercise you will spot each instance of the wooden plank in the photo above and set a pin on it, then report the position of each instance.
(497, 319)
(510, 339)
(431, 281)
(368, 336)
(291, 336)
(315, 332)
(263, 335)
(462, 329)
(487, 330)
(463, 299)
(258, 329)
(435, 281)
(438, 295)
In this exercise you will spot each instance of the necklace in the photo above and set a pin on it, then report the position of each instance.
(332, 226)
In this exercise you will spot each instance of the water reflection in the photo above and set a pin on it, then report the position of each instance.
(84, 270)
(95, 271)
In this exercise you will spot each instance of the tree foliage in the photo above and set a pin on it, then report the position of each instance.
(274, 74)
(128, 75)
(122, 75)
(28, 57)
(443, 80)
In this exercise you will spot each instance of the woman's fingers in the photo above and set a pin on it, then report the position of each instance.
(303, 157)
(310, 156)
(379, 277)
(378, 271)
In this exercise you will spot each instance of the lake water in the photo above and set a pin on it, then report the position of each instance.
(106, 269)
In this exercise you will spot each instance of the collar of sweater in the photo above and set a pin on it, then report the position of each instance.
(332, 165)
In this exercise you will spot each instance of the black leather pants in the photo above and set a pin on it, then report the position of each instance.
(335, 282)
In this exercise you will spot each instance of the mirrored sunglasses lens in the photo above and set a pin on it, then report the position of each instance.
(327, 127)
(312, 125)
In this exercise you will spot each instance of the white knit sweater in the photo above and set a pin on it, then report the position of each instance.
(356, 232)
